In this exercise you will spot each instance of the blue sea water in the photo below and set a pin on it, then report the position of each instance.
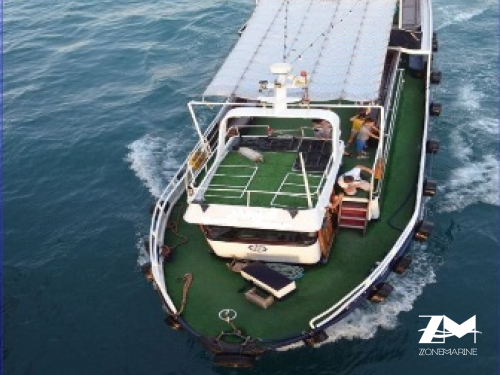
(95, 123)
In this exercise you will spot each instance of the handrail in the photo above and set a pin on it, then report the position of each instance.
(336, 309)
(248, 192)
(333, 311)
(393, 115)
(325, 174)
(238, 127)
(290, 105)
(169, 196)
(394, 73)
(389, 91)
(355, 292)
(202, 188)
(204, 185)
(175, 189)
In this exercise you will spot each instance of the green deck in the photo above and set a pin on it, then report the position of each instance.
(215, 288)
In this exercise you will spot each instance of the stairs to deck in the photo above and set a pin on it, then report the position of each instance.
(353, 213)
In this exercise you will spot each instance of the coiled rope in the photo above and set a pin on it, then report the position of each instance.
(188, 279)
(173, 226)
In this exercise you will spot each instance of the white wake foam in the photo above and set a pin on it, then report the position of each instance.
(469, 97)
(143, 256)
(452, 14)
(364, 322)
(472, 143)
(155, 160)
(469, 184)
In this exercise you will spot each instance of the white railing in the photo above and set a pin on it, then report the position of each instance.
(383, 266)
(393, 111)
(166, 202)
(248, 193)
(176, 187)
(344, 303)
(185, 176)
(205, 184)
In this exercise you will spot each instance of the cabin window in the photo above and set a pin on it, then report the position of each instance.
(248, 235)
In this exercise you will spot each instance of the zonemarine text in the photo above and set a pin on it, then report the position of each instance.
(448, 351)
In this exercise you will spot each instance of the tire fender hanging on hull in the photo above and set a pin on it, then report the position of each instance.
(402, 264)
(316, 338)
(380, 292)
(233, 360)
(423, 230)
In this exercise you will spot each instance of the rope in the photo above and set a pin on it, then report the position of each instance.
(292, 272)
(174, 227)
(330, 27)
(229, 320)
(235, 329)
(410, 193)
(188, 279)
(389, 222)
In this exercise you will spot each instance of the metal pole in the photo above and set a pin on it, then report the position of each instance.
(400, 14)
(306, 182)
(203, 140)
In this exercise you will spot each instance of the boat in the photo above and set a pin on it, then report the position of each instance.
(279, 223)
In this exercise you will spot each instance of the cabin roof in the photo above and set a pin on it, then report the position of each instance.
(341, 44)
(270, 194)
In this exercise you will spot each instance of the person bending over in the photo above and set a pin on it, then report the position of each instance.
(351, 181)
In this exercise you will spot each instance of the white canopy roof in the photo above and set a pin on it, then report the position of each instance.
(341, 44)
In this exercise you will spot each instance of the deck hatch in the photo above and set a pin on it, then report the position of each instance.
(268, 279)
(316, 155)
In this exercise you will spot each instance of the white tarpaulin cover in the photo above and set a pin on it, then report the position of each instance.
(341, 44)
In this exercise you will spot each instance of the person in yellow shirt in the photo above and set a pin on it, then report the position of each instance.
(356, 123)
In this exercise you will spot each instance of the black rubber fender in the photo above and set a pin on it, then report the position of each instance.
(234, 360)
(380, 292)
